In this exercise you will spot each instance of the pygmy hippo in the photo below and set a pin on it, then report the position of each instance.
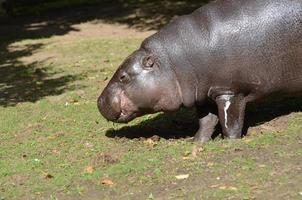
(218, 58)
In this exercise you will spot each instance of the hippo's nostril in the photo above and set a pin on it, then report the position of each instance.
(100, 100)
(100, 103)
(109, 106)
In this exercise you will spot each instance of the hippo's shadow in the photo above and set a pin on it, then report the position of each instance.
(184, 123)
(175, 125)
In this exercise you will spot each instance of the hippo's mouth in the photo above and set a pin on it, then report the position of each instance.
(128, 110)
(126, 117)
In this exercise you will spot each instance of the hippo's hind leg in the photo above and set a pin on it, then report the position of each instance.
(207, 122)
(231, 111)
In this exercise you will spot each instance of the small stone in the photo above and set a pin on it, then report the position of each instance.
(182, 176)
(155, 138)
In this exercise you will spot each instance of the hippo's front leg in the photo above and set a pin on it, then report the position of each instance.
(207, 122)
(231, 111)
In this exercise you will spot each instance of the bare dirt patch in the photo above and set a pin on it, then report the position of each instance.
(278, 124)
(27, 133)
(104, 159)
(80, 31)
(101, 29)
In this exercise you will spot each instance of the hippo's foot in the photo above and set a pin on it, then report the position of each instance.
(200, 139)
(206, 128)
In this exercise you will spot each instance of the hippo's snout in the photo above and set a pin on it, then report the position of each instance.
(109, 106)
(115, 106)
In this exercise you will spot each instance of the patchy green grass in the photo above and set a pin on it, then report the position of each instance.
(55, 144)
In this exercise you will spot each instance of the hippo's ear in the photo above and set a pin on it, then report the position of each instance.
(148, 61)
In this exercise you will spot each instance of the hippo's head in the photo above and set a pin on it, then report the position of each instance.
(142, 84)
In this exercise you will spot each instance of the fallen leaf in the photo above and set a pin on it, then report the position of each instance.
(187, 153)
(248, 140)
(224, 187)
(232, 188)
(88, 145)
(149, 142)
(55, 151)
(210, 164)
(150, 196)
(196, 150)
(182, 176)
(89, 169)
(48, 176)
(214, 186)
(107, 182)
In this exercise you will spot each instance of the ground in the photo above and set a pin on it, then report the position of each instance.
(55, 144)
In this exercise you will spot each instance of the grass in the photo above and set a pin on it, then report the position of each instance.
(57, 146)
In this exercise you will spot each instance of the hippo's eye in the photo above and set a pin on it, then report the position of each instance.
(124, 77)
(148, 62)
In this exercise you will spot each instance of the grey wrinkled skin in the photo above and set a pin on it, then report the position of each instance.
(218, 58)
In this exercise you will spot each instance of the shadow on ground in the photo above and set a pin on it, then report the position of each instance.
(29, 82)
(40, 22)
(184, 123)
(176, 125)
(21, 82)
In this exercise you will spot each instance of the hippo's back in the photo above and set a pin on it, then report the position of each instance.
(255, 43)
(259, 44)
